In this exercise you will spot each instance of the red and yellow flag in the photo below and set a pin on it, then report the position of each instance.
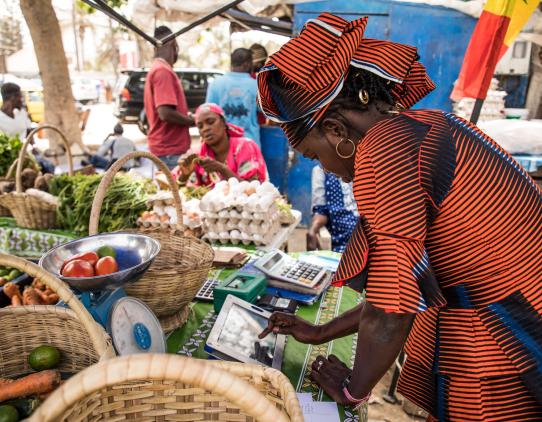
(499, 24)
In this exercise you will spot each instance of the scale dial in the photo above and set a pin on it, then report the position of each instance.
(134, 328)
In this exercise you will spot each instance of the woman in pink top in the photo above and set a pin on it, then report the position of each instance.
(224, 153)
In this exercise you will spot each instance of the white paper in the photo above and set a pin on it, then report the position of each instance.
(304, 398)
(318, 411)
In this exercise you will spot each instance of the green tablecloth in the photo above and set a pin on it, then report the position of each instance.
(29, 243)
(190, 340)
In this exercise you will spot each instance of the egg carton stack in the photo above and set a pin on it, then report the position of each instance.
(241, 212)
(163, 212)
(492, 109)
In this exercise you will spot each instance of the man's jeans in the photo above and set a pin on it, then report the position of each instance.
(170, 160)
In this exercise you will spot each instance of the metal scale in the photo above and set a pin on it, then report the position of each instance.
(132, 325)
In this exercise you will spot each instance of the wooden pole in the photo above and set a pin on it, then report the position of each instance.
(476, 110)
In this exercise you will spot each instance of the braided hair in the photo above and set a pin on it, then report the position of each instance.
(357, 81)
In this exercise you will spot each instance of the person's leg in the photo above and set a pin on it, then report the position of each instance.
(99, 162)
(170, 160)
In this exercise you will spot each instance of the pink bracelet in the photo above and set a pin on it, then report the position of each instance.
(357, 402)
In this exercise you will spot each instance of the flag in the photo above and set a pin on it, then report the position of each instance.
(499, 24)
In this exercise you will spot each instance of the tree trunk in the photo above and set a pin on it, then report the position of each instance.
(57, 92)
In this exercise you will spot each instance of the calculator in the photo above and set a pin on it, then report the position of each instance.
(206, 292)
(278, 265)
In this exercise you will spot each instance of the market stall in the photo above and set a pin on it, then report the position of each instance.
(139, 284)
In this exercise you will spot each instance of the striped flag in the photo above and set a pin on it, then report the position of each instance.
(499, 24)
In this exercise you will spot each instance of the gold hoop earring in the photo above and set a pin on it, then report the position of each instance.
(342, 155)
(363, 96)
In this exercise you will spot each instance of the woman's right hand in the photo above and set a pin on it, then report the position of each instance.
(288, 324)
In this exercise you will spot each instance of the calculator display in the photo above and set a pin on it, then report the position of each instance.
(272, 261)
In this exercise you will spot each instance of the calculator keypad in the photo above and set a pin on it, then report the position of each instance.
(301, 272)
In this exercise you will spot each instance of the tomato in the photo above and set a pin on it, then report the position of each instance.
(90, 257)
(106, 265)
(78, 268)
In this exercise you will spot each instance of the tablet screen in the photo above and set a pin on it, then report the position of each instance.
(240, 333)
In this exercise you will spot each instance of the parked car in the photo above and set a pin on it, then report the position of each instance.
(33, 98)
(86, 90)
(130, 87)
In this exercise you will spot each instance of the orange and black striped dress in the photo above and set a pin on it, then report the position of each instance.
(451, 230)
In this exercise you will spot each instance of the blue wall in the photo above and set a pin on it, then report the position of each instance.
(441, 36)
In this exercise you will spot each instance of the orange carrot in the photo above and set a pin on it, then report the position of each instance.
(11, 289)
(16, 300)
(31, 297)
(52, 299)
(42, 295)
(38, 383)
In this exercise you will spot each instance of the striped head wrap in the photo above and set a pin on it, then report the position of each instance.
(299, 82)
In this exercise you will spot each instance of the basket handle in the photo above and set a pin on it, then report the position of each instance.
(197, 373)
(18, 181)
(110, 175)
(66, 295)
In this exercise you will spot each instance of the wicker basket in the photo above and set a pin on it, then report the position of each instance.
(81, 341)
(159, 387)
(181, 267)
(29, 211)
(4, 212)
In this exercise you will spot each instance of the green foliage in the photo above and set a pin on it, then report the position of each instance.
(82, 6)
(124, 202)
(9, 151)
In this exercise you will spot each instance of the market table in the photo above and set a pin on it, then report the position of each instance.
(190, 339)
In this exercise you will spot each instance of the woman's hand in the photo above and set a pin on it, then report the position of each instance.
(330, 374)
(288, 324)
(211, 165)
(186, 163)
(313, 243)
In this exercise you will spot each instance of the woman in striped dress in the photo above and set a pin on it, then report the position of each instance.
(448, 244)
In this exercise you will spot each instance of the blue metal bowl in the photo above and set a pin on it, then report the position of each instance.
(135, 254)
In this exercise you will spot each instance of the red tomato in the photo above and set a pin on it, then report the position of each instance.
(78, 268)
(91, 257)
(106, 265)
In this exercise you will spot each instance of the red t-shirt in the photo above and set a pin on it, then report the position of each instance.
(163, 87)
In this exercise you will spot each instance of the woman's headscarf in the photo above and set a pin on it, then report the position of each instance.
(299, 82)
(232, 130)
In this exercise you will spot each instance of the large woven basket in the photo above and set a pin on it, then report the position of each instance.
(81, 341)
(159, 387)
(181, 267)
(29, 211)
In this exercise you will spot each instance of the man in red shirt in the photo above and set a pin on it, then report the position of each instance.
(165, 104)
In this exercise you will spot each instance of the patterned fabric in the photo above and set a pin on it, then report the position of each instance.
(334, 199)
(451, 230)
(298, 83)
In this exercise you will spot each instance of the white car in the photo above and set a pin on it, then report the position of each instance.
(86, 90)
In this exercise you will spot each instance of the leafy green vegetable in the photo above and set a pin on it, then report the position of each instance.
(9, 151)
(124, 202)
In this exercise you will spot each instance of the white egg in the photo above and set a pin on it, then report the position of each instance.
(232, 181)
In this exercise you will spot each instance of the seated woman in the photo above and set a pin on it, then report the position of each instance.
(224, 152)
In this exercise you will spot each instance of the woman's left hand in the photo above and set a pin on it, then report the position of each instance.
(211, 165)
(329, 374)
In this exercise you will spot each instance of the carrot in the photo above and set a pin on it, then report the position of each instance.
(38, 383)
(42, 295)
(38, 284)
(17, 300)
(11, 290)
(52, 299)
(31, 297)
(47, 299)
